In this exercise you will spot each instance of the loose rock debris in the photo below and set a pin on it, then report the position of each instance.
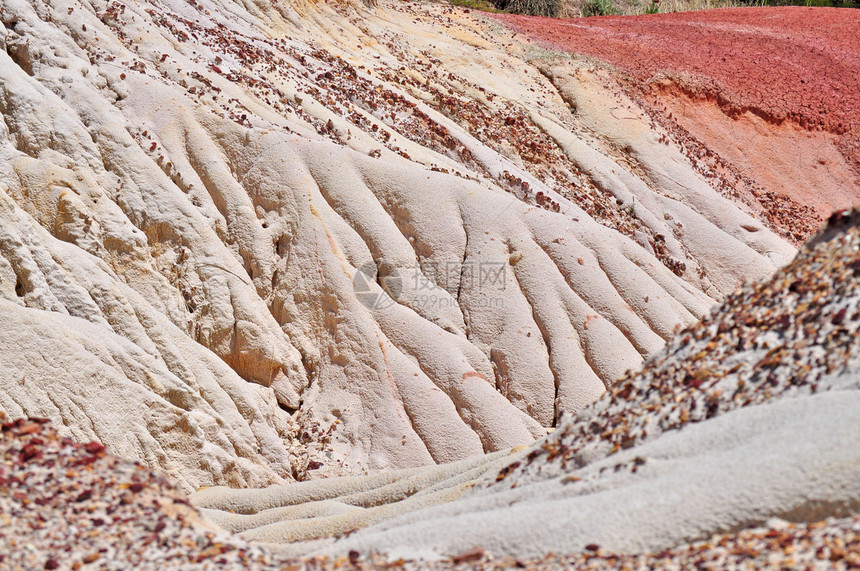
(788, 336)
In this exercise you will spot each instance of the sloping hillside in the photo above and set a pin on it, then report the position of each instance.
(747, 416)
(766, 99)
(736, 445)
(248, 243)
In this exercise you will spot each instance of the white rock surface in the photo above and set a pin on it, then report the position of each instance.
(795, 459)
(189, 208)
(747, 416)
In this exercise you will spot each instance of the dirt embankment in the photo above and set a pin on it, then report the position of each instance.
(773, 91)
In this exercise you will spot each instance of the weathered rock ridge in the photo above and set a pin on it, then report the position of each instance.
(744, 418)
(248, 242)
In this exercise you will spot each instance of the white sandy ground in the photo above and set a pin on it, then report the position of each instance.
(796, 459)
(178, 281)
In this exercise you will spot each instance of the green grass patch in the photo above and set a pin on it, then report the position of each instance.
(551, 8)
(483, 5)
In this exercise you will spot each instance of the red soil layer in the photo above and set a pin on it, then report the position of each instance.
(792, 63)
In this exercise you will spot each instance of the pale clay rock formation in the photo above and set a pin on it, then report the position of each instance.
(745, 417)
(178, 266)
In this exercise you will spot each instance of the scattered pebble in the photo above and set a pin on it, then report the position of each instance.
(790, 336)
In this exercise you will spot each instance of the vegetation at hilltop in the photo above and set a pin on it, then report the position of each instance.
(586, 8)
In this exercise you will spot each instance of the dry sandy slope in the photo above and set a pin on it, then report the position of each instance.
(746, 416)
(243, 241)
(71, 506)
(767, 97)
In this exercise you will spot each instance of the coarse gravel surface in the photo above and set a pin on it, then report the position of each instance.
(793, 335)
(66, 505)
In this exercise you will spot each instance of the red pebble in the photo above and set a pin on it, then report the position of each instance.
(94, 447)
(30, 428)
(29, 452)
